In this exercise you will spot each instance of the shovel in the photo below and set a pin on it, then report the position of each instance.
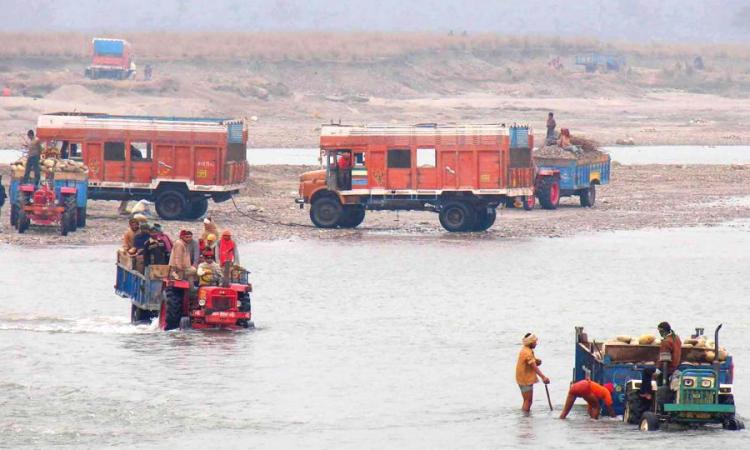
(548, 399)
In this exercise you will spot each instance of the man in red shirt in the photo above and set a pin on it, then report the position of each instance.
(593, 393)
(670, 343)
(344, 170)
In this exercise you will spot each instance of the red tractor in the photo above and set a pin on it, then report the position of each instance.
(225, 306)
(41, 206)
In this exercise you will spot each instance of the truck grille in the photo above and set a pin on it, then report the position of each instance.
(698, 396)
(221, 303)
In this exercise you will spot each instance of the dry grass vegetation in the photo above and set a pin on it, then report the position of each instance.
(331, 46)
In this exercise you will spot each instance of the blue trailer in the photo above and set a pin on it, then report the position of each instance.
(77, 181)
(623, 364)
(144, 290)
(576, 177)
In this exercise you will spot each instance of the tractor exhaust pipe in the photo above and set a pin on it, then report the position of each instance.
(717, 363)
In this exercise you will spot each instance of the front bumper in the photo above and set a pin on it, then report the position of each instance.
(220, 318)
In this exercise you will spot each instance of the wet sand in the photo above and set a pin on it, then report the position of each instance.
(650, 196)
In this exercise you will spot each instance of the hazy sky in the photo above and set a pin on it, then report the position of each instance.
(673, 20)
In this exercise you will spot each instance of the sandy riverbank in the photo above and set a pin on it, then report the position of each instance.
(638, 197)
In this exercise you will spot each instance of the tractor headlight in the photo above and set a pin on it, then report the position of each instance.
(707, 383)
(688, 382)
(202, 302)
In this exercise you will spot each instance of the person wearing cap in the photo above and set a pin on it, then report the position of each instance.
(209, 227)
(209, 273)
(592, 393)
(181, 259)
(163, 237)
(209, 247)
(527, 370)
(228, 251)
(128, 239)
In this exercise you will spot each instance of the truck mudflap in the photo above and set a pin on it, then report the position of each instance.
(219, 318)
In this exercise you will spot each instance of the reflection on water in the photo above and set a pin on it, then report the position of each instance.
(401, 343)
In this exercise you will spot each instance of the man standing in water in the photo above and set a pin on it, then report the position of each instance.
(527, 371)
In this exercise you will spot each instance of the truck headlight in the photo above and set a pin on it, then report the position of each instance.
(202, 302)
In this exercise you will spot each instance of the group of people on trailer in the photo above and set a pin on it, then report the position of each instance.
(593, 393)
(148, 245)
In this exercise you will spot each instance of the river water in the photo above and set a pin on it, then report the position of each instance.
(407, 343)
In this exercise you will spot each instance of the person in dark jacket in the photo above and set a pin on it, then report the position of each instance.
(141, 237)
(155, 251)
(551, 125)
(3, 196)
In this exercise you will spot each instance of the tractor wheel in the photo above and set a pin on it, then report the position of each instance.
(549, 193)
(588, 196)
(173, 308)
(457, 216)
(326, 212)
(649, 422)
(81, 217)
(197, 208)
(352, 216)
(171, 205)
(64, 224)
(733, 424)
(23, 221)
(485, 219)
(633, 408)
(14, 216)
(244, 307)
(529, 201)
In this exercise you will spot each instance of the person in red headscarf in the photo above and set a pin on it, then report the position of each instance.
(228, 249)
(592, 393)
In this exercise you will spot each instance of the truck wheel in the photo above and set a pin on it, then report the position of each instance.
(81, 217)
(549, 193)
(457, 216)
(649, 422)
(173, 308)
(485, 219)
(529, 201)
(733, 424)
(197, 208)
(326, 212)
(352, 216)
(588, 196)
(14, 216)
(171, 205)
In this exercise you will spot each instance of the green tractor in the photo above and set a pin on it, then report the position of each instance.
(696, 397)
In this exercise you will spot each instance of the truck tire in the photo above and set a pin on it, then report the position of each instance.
(649, 422)
(173, 308)
(549, 193)
(197, 208)
(529, 201)
(352, 216)
(326, 212)
(171, 204)
(485, 219)
(588, 196)
(456, 216)
(14, 216)
(81, 217)
(139, 316)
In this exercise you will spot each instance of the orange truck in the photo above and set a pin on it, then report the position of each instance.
(462, 172)
(177, 162)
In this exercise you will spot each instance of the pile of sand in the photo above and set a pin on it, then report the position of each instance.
(74, 93)
(583, 150)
